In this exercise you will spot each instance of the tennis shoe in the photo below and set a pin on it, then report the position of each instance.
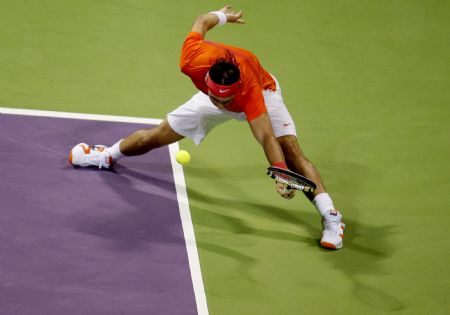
(85, 155)
(333, 230)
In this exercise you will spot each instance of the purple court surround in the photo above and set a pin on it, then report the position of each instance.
(87, 241)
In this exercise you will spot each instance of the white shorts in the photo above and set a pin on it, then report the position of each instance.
(198, 116)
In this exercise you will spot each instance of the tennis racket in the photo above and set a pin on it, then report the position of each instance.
(291, 179)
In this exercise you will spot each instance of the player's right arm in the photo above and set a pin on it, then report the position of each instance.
(207, 21)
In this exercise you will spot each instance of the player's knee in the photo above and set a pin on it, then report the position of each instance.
(290, 146)
(291, 150)
(157, 137)
(147, 139)
(161, 135)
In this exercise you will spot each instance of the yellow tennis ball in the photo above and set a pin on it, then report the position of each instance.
(183, 157)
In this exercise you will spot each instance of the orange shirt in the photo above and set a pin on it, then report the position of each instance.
(197, 55)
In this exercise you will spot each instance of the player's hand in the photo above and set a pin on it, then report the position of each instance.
(284, 191)
(232, 16)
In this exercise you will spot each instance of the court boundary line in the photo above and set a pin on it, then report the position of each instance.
(180, 187)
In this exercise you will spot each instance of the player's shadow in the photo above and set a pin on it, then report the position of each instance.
(232, 224)
(366, 246)
(147, 212)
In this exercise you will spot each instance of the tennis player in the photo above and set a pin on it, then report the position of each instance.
(232, 84)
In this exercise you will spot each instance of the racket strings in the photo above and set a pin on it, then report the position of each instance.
(289, 181)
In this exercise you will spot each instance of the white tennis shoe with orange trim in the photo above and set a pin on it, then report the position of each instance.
(333, 230)
(90, 155)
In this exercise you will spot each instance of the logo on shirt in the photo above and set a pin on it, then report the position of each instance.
(223, 91)
(286, 124)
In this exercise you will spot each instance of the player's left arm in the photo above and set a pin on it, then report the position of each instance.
(207, 21)
(263, 132)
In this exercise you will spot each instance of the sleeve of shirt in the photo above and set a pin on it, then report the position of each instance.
(191, 49)
(254, 104)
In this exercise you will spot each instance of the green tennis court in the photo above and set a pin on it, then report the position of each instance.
(367, 83)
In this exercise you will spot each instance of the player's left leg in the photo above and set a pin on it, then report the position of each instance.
(297, 162)
(333, 227)
(285, 131)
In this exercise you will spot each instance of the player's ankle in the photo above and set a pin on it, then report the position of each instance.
(115, 152)
(323, 203)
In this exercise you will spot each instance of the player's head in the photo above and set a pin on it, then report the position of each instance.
(223, 79)
(225, 69)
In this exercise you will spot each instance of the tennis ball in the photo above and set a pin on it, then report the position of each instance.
(183, 157)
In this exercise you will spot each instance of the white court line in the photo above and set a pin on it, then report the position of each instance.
(180, 186)
(45, 113)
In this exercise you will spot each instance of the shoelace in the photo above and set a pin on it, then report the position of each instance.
(332, 226)
(100, 164)
(101, 157)
(103, 160)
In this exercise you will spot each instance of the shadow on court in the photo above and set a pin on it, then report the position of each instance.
(86, 241)
(148, 218)
(365, 246)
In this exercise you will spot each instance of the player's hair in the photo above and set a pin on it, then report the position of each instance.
(225, 69)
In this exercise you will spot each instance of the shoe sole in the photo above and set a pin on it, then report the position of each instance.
(70, 157)
(329, 245)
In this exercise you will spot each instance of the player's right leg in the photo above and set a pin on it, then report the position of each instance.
(90, 155)
(194, 120)
(142, 141)
(139, 142)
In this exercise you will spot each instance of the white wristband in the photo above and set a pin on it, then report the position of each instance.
(222, 17)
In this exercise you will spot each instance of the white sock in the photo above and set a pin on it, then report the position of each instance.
(115, 151)
(323, 203)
